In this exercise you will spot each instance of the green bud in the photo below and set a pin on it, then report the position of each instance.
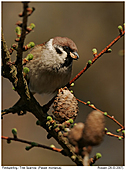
(38, 122)
(13, 88)
(49, 118)
(109, 50)
(70, 121)
(105, 113)
(29, 57)
(14, 131)
(31, 45)
(26, 70)
(71, 91)
(88, 102)
(120, 27)
(28, 148)
(32, 26)
(72, 84)
(123, 131)
(119, 138)
(18, 30)
(106, 129)
(117, 130)
(73, 157)
(94, 50)
(52, 146)
(92, 105)
(98, 155)
(34, 144)
(89, 62)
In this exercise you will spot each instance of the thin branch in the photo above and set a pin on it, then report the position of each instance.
(111, 117)
(94, 159)
(21, 83)
(34, 144)
(114, 135)
(95, 58)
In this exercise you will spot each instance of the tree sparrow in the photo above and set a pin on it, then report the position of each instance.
(51, 66)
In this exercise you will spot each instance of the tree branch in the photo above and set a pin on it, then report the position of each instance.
(33, 144)
(96, 57)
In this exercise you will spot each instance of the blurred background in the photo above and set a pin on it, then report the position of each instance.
(89, 25)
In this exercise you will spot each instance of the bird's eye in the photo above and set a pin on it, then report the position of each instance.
(58, 50)
(66, 48)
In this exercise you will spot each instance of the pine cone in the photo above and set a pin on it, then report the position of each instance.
(65, 105)
(94, 129)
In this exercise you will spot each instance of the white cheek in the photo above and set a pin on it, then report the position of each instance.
(50, 47)
(59, 58)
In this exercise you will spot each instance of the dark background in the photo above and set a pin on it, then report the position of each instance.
(89, 25)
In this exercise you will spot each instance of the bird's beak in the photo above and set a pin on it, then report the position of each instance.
(74, 55)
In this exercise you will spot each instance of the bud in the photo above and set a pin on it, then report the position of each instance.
(18, 31)
(123, 131)
(52, 146)
(70, 121)
(31, 45)
(88, 102)
(34, 144)
(109, 50)
(28, 148)
(72, 84)
(32, 26)
(94, 50)
(98, 155)
(38, 122)
(105, 113)
(120, 29)
(29, 57)
(49, 118)
(14, 131)
(89, 62)
(26, 70)
(119, 138)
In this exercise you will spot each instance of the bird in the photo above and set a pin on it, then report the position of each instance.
(51, 66)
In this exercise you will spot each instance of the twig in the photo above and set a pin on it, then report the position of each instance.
(19, 108)
(21, 83)
(94, 159)
(105, 113)
(95, 58)
(114, 135)
(34, 144)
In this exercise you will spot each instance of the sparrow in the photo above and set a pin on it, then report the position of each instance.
(51, 66)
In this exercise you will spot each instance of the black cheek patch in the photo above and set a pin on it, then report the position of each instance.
(58, 51)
